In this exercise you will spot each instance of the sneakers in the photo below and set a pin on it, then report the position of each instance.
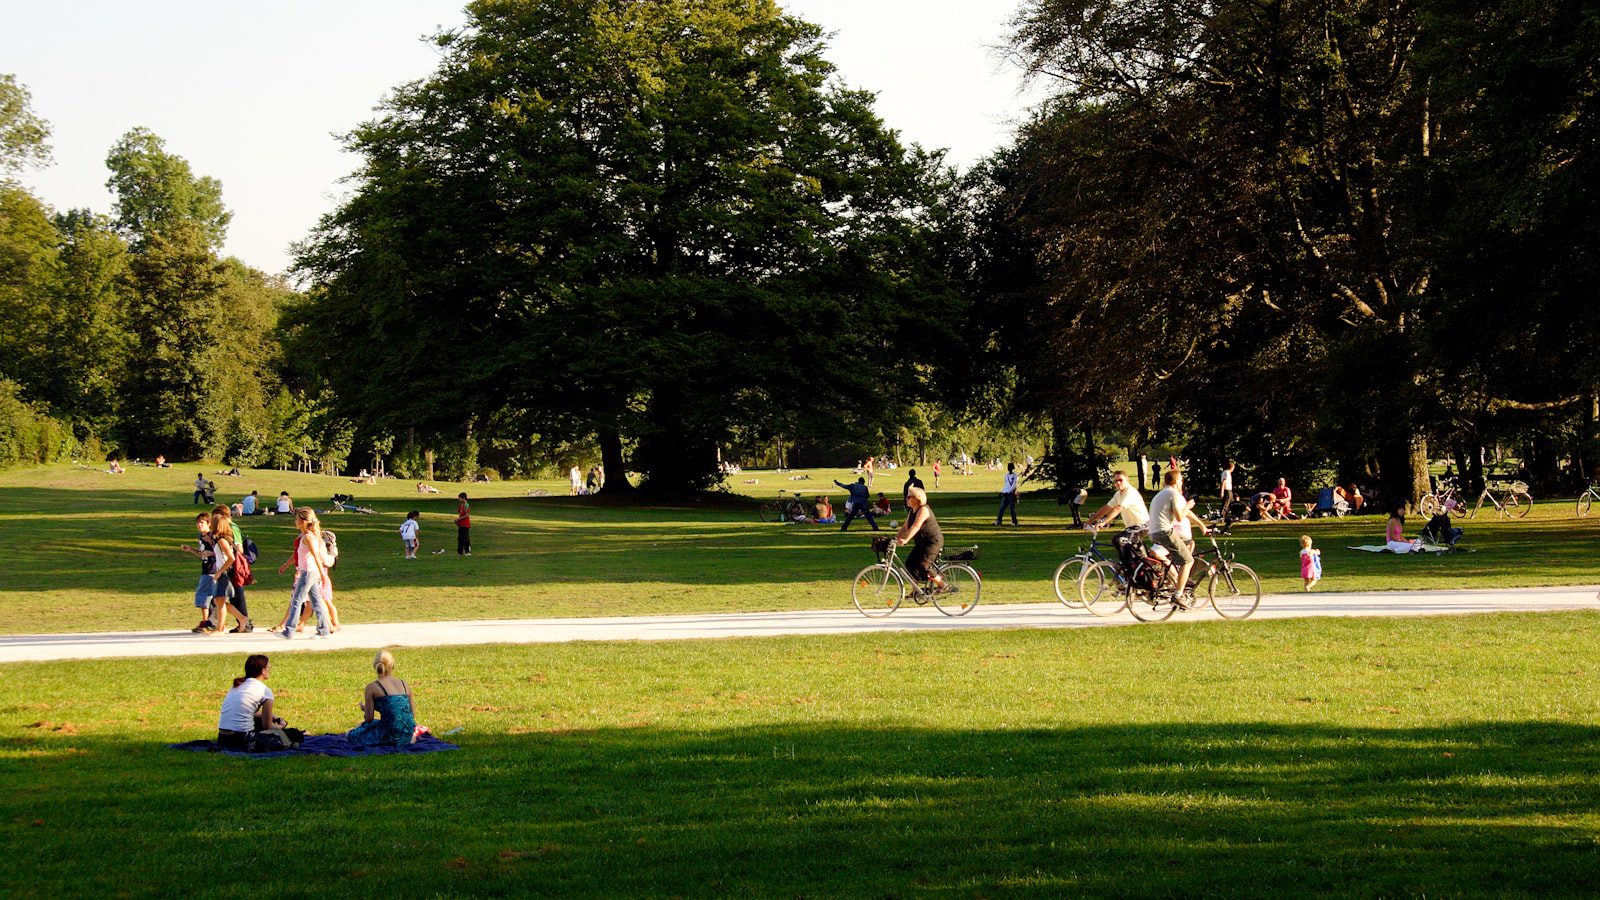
(286, 634)
(243, 629)
(203, 628)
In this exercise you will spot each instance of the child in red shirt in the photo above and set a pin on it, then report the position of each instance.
(463, 526)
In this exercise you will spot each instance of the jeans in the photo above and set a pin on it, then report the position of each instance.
(307, 585)
(203, 592)
(1007, 501)
(852, 510)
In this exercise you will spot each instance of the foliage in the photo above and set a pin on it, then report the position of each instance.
(652, 222)
(157, 190)
(24, 136)
(27, 435)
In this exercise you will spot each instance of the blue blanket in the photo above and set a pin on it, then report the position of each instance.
(325, 745)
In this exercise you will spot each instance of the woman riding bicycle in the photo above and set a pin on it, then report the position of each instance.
(921, 530)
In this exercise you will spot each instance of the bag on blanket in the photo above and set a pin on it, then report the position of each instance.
(273, 739)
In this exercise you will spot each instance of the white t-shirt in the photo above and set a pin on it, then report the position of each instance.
(239, 707)
(408, 530)
(1167, 509)
(1133, 508)
(1011, 483)
(1227, 479)
(283, 506)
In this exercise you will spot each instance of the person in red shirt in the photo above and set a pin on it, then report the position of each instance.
(463, 526)
(1281, 497)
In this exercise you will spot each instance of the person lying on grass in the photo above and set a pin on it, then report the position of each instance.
(391, 699)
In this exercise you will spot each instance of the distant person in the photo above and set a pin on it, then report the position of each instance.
(1282, 499)
(227, 550)
(390, 699)
(912, 481)
(1394, 536)
(161, 461)
(312, 583)
(592, 480)
(408, 534)
(1008, 496)
(1353, 495)
(936, 473)
(251, 504)
(426, 488)
(1225, 494)
(871, 469)
(464, 525)
(881, 505)
(116, 468)
(200, 491)
(1075, 500)
(921, 530)
(247, 721)
(575, 479)
(859, 504)
(285, 504)
(1310, 563)
(824, 511)
(206, 587)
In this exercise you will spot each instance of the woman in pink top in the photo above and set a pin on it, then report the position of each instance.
(1395, 536)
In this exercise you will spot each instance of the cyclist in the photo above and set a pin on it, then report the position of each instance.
(1170, 515)
(921, 530)
(1125, 499)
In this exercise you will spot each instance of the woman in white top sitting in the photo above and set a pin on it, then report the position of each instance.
(248, 707)
(285, 505)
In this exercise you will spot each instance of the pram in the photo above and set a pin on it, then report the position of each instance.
(1329, 504)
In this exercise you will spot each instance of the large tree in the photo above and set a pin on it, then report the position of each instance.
(646, 221)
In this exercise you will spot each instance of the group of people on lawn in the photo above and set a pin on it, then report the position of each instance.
(249, 718)
(226, 558)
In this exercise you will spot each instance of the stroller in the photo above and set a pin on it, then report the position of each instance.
(1329, 504)
(1439, 531)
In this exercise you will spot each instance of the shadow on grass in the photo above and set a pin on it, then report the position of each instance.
(1261, 809)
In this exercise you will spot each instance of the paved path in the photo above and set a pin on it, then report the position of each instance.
(17, 648)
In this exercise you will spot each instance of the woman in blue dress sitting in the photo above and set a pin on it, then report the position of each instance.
(390, 698)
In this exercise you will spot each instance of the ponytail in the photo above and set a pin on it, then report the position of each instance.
(254, 665)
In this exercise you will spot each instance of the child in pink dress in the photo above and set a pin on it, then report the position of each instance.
(1310, 563)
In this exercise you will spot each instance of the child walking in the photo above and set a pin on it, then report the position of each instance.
(464, 524)
(1310, 563)
(408, 534)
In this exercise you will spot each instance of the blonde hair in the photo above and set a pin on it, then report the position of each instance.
(920, 494)
(309, 516)
(383, 663)
(1305, 540)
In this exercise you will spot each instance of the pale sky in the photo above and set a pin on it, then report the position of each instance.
(254, 94)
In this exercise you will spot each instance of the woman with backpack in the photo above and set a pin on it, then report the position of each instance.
(311, 581)
(227, 559)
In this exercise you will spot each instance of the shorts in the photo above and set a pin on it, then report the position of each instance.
(919, 562)
(410, 543)
(1181, 549)
(204, 591)
(224, 588)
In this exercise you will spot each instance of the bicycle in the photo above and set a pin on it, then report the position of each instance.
(1071, 572)
(1514, 503)
(783, 509)
(1232, 588)
(1434, 502)
(1586, 500)
(878, 590)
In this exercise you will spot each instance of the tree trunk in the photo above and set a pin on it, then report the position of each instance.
(615, 467)
(1405, 471)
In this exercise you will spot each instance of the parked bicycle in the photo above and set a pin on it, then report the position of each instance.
(1232, 588)
(1435, 502)
(1512, 502)
(1069, 575)
(878, 590)
(1586, 500)
(783, 509)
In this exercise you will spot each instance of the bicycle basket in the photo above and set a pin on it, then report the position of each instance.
(1520, 487)
(880, 546)
(967, 555)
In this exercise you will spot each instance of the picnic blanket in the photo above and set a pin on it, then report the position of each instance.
(1425, 548)
(325, 745)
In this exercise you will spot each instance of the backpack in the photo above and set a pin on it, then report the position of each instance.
(242, 576)
(251, 551)
(330, 542)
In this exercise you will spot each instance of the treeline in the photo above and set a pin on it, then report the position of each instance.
(1331, 238)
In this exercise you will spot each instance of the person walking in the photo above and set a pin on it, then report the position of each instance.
(936, 473)
(311, 582)
(464, 525)
(912, 481)
(859, 504)
(1226, 484)
(1008, 495)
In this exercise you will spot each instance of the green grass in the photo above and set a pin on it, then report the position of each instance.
(1449, 756)
(85, 551)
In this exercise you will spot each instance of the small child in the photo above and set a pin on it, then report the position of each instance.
(1310, 563)
(408, 534)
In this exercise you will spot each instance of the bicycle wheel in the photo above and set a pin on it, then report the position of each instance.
(1235, 590)
(962, 588)
(1102, 589)
(1066, 581)
(1518, 504)
(1428, 506)
(1458, 508)
(1585, 503)
(769, 512)
(1149, 606)
(878, 590)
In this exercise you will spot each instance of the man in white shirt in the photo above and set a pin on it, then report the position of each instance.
(1008, 496)
(1125, 499)
(1170, 514)
(1226, 494)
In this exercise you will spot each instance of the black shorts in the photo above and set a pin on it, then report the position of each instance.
(919, 562)
(223, 588)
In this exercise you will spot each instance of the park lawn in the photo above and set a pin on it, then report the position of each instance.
(85, 551)
(1439, 756)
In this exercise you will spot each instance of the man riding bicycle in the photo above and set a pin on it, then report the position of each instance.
(1125, 499)
(1170, 518)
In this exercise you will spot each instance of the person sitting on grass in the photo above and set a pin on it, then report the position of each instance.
(882, 507)
(250, 504)
(1395, 534)
(1282, 500)
(246, 721)
(390, 698)
(116, 468)
(285, 504)
(825, 512)
(921, 530)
